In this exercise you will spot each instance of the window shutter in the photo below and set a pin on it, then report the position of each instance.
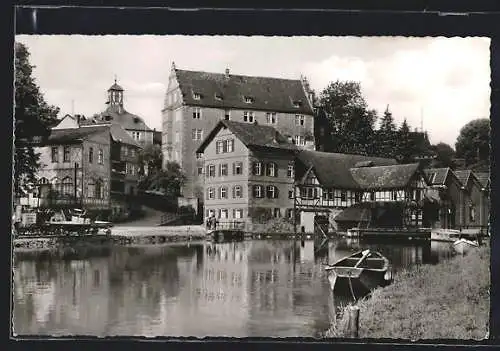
(234, 168)
(275, 170)
(276, 192)
(218, 213)
(220, 170)
(234, 192)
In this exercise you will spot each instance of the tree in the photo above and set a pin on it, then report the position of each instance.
(168, 180)
(150, 159)
(473, 142)
(349, 122)
(444, 155)
(33, 118)
(405, 147)
(386, 141)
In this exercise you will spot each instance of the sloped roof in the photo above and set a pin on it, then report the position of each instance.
(484, 178)
(270, 94)
(252, 135)
(440, 175)
(333, 169)
(115, 87)
(384, 177)
(463, 176)
(120, 116)
(72, 135)
(120, 135)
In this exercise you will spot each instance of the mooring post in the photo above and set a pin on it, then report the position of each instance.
(353, 326)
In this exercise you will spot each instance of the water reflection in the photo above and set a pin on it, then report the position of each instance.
(250, 288)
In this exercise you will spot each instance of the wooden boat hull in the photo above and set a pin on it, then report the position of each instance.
(463, 246)
(363, 282)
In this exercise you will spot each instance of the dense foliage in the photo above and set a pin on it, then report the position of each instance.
(473, 144)
(168, 181)
(33, 118)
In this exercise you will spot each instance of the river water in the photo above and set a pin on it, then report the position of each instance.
(259, 288)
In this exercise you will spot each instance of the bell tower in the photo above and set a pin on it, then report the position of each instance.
(115, 97)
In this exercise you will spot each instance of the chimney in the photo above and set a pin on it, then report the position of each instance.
(227, 72)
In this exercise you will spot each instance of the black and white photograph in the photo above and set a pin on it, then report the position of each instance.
(251, 186)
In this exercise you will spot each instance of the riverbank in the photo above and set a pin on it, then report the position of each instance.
(449, 300)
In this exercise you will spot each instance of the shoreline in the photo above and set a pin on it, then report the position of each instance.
(449, 300)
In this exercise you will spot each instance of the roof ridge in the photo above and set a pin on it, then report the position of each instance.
(236, 75)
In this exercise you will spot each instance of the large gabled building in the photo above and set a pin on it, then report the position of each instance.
(196, 101)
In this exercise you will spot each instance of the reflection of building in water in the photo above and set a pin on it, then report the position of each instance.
(307, 251)
(74, 299)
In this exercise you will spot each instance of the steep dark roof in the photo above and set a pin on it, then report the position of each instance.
(484, 178)
(384, 177)
(437, 176)
(71, 135)
(120, 116)
(463, 176)
(252, 135)
(269, 94)
(332, 169)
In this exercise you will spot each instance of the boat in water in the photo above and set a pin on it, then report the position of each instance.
(448, 235)
(463, 246)
(363, 270)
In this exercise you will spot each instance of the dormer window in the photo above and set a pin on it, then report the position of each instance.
(196, 96)
(106, 118)
(297, 103)
(218, 97)
(136, 120)
(249, 99)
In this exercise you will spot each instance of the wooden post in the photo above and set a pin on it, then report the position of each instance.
(353, 322)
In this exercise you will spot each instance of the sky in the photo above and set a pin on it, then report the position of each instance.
(440, 83)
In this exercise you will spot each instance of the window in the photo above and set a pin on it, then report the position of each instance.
(290, 194)
(357, 197)
(272, 192)
(196, 113)
(237, 168)
(271, 118)
(299, 120)
(289, 172)
(91, 188)
(372, 196)
(219, 147)
(229, 145)
(210, 213)
(100, 157)
(257, 168)
(66, 151)
(248, 116)
(223, 192)
(223, 213)
(237, 192)
(200, 170)
(125, 150)
(211, 171)
(300, 140)
(98, 189)
(91, 154)
(343, 196)
(271, 170)
(394, 195)
(196, 96)
(249, 99)
(210, 193)
(199, 155)
(223, 170)
(257, 191)
(177, 137)
(197, 134)
(218, 96)
(55, 155)
(136, 135)
(307, 193)
(276, 213)
(132, 152)
(237, 213)
(289, 213)
(227, 115)
(297, 103)
(67, 186)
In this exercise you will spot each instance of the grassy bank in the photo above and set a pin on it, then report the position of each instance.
(445, 301)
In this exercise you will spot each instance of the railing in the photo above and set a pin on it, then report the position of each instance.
(228, 225)
(168, 218)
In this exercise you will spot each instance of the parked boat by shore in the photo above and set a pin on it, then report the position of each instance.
(463, 246)
(364, 269)
(448, 235)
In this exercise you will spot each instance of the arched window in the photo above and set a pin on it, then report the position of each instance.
(55, 186)
(67, 186)
(43, 180)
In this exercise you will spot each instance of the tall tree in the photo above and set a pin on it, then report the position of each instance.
(444, 155)
(405, 148)
(349, 121)
(386, 136)
(168, 180)
(473, 142)
(33, 118)
(150, 159)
